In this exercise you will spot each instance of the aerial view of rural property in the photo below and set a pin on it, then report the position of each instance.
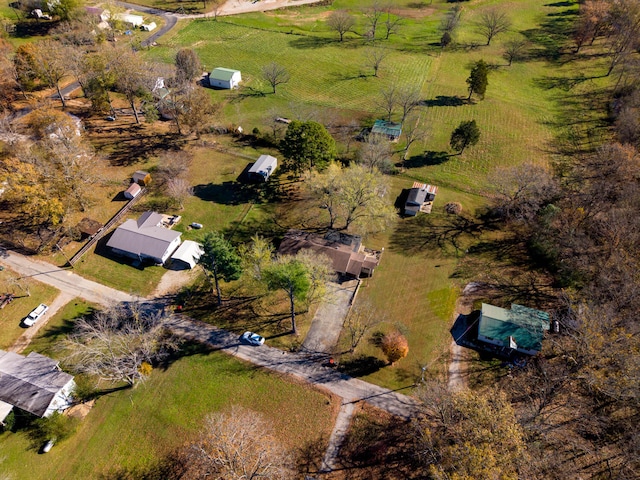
(319, 239)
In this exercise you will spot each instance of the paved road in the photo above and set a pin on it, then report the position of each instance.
(65, 280)
(300, 365)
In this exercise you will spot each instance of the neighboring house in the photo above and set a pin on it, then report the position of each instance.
(33, 383)
(420, 199)
(149, 27)
(141, 178)
(224, 78)
(145, 239)
(520, 329)
(349, 258)
(135, 20)
(390, 129)
(98, 13)
(263, 168)
(187, 255)
(133, 191)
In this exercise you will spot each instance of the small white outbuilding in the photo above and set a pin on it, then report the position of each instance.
(135, 20)
(187, 254)
(148, 27)
(263, 168)
(133, 191)
(224, 78)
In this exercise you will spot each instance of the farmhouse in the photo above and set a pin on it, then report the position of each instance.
(420, 199)
(135, 20)
(391, 130)
(224, 78)
(346, 252)
(145, 239)
(187, 255)
(98, 13)
(262, 169)
(520, 329)
(33, 383)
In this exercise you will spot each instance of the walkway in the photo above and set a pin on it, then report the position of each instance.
(327, 323)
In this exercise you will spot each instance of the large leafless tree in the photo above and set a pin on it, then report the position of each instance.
(341, 22)
(491, 23)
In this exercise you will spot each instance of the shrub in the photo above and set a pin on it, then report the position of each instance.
(56, 426)
(395, 346)
(453, 208)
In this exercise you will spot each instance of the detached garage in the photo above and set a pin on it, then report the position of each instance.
(224, 78)
(187, 255)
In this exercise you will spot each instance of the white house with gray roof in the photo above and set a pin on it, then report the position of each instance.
(224, 78)
(33, 383)
(145, 239)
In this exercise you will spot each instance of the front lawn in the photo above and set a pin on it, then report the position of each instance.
(132, 429)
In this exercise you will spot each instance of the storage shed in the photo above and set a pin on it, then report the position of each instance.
(148, 27)
(262, 169)
(141, 178)
(133, 191)
(135, 20)
(389, 129)
(187, 255)
(224, 78)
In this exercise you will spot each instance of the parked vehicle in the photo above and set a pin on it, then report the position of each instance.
(47, 446)
(196, 225)
(35, 315)
(252, 339)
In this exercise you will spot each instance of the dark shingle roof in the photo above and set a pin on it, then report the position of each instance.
(30, 383)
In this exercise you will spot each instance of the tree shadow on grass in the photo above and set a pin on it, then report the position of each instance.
(436, 235)
(445, 101)
(305, 42)
(427, 159)
(226, 193)
(361, 365)
(248, 92)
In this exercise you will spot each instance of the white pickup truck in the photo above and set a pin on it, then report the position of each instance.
(35, 315)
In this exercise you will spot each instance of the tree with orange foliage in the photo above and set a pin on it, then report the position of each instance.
(395, 346)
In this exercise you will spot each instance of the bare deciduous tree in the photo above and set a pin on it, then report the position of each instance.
(451, 20)
(412, 131)
(514, 50)
(492, 22)
(239, 444)
(179, 189)
(341, 21)
(392, 23)
(407, 98)
(388, 101)
(361, 319)
(119, 344)
(275, 74)
(374, 58)
(375, 153)
(373, 15)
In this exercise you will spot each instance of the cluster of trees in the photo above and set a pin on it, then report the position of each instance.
(378, 16)
(301, 277)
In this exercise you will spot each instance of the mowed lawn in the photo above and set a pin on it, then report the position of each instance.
(134, 428)
(29, 293)
(414, 289)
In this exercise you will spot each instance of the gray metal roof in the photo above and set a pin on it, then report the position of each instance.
(189, 252)
(265, 163)
(417, 196)
(30, 382)
(143, 236)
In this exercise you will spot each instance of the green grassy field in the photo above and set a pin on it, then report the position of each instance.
(132, 429)
(12, 314)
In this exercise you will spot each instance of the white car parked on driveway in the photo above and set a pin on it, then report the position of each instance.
(35, 315)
